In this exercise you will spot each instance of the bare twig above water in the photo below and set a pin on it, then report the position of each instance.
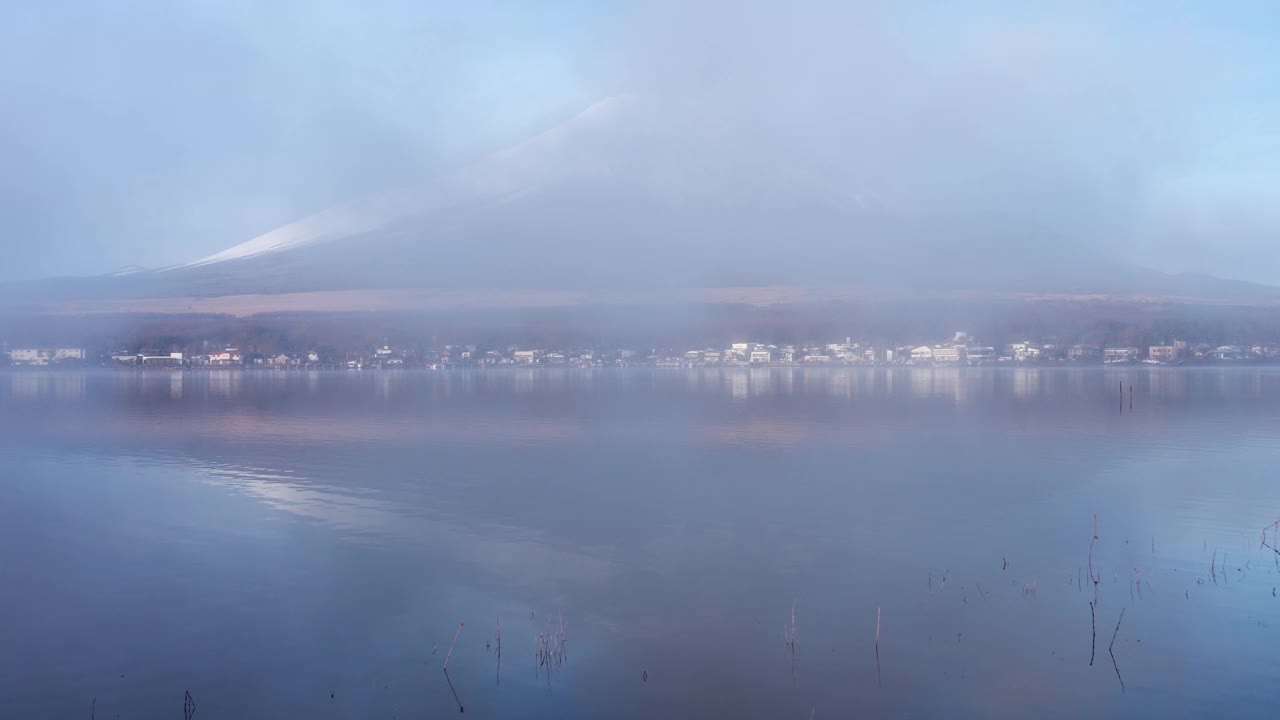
(188, 706)
(499, 638)
(1093, 625)
(455, 642)
(1273, 526)
(877, 647)
(1111, 650)
(1117, 630)
(1096, 578)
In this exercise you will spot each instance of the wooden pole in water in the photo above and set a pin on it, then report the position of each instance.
(1130, 397)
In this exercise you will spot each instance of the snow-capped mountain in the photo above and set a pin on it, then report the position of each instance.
(624, 197)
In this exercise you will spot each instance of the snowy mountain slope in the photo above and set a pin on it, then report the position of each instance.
(623, 198)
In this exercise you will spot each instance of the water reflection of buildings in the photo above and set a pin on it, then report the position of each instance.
(44, 386)
(739, 385)
(1167, 382)
(26, 386)
(761, 381)
(940, 382)
(1026, 383)
(224, 383)
(840, 385)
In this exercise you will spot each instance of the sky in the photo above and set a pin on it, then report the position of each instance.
(155, 133)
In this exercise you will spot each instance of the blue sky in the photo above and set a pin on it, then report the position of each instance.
(156, 132)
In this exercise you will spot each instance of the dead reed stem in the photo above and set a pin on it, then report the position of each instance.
(551, 649)
(454, 691)
(1098, 577)
(499, 637)
(1117, 631)
(877, 647)
(1111, 650)
(455, 642)
(1093, 625)
(188, 706)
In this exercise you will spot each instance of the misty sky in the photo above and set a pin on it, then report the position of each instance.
(157, 132)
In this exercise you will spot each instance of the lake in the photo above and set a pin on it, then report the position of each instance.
(306, 544)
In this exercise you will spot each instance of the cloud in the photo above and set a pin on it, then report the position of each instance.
(153, 133)
(1078, 120)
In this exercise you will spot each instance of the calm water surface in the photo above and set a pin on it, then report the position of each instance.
(305, 544)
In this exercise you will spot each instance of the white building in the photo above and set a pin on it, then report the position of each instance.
(170, 360)
(1024, 351)
(924, 353)
(950, 354)
(981, 353)
(761, 356)
(44, 356)
(1231, 352)
(229, 356)
(1119, 354)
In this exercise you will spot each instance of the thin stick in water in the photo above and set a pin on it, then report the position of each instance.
(1093, 624)
(1111, 650)
(454, 691)
(1094, 541)
(877, 647)
(455, 642)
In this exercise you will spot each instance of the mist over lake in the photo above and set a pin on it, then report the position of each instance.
(306, 543)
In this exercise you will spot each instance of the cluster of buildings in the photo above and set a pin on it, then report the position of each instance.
(46, 356)
(960, 349)
(964, 349)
